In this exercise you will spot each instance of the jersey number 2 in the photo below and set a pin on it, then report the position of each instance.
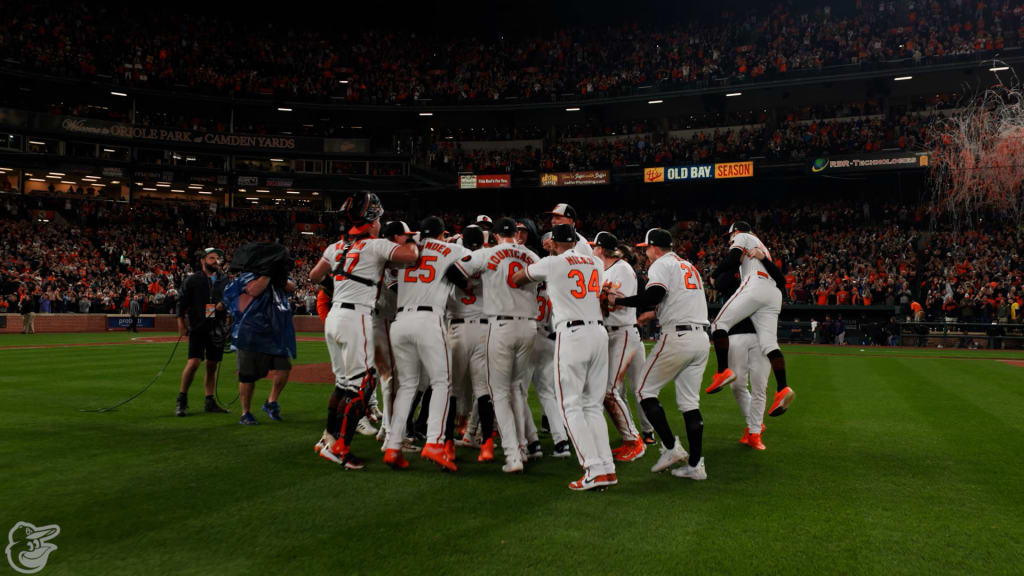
(583, 287)
(691, 273)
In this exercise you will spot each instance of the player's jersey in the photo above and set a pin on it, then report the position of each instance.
(623, 279)
(387, 301)
(543, 310)
(425, 284)
(365, 259)
(684, 301)
(467, 304)
(496, 265)
(574, 286)
(582, 246)
(748, 264)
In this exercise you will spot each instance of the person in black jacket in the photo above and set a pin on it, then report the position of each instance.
(203, 318)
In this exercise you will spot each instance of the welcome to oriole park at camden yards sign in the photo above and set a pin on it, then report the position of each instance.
(720, 171)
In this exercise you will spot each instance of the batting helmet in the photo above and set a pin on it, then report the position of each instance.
(362, 207)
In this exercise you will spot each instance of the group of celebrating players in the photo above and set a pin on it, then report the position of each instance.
(465, 323)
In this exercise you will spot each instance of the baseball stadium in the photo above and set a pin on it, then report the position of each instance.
(363, 289)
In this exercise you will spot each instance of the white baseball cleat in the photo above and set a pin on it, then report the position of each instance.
(697, 472)
(468, 441)
(365, 428)
(512, 466)
(670, 457)
(382, 434)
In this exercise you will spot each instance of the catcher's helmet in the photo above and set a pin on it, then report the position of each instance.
(362, 207)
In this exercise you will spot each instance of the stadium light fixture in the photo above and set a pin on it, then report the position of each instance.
(252, 198)
(205, 193)
(277, 159)
(306, 233)
(902, 78)
(573, 109)
(316, 193)
(655, 101)
(280, 109)
(111, 150)
(733, 94)
(122, 94)
(52, 177)
(138, 183)
(56, 173)
(342, 81)
(149, 189)
(37, 180)
(5, 169)
(291, 192)
(37, 142)
(426, 113)
(998, 68)
(163, 185)
(195, 186)
(263, 190)
(178, 190)
(67, 182)
(115, 181)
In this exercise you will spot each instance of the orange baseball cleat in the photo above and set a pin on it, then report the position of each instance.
(486, 451)
(783, 398)
(632, 451)
(395, 459)
(754, 441)
(449, 450)
(720, 380)
(435, 453)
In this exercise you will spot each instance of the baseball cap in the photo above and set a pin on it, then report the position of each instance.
(563, 233)
(484, 221)
(606, 240)
(211, 250)
(657, 237)
(431, 226)
(472, 237)
(394, 228)
(739, 226)
(505, 227)
(564, 210)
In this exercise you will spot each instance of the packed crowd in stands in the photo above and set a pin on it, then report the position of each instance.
(168, 47)
(92, 256)
(791, 139)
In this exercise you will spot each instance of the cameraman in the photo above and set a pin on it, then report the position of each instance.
(202, 317)
(262, 330)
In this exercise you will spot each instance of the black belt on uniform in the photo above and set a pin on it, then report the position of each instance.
(417, 309)
(575, 323)
(552, 336)
(351, 306)
(512, 318)
(617, 328)
(464, 321)
(688, 327)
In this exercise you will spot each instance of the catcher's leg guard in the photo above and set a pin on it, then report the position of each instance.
(353, 409)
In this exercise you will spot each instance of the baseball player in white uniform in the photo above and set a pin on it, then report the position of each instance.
(467, 336)
(625, 349)
(581, 352)
(511, 329)
(419, 340)
(387, 307)
(758, 298)
(544, 366)
(566, 214)
(357, 267)
(748, 362)
(675, 287)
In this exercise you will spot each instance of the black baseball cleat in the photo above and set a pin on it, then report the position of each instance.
(649, 438)
(212, 406)
(545, 427)
(181, 409)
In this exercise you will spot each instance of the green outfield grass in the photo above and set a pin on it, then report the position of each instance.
(889, 462)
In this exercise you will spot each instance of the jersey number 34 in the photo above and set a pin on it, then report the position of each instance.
(583, 287)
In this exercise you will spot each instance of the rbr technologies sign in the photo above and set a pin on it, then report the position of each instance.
(905, 160)
(472, 181)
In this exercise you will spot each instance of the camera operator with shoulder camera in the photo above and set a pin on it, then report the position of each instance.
(262, 330)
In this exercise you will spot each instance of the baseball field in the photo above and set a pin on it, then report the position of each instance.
(889, 462)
